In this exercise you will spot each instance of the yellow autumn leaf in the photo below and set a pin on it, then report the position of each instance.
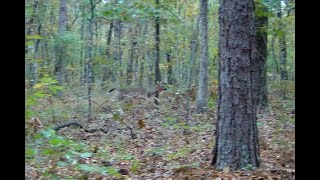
(37, 86)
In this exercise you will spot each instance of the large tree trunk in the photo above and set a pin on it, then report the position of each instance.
(63, 19)
(157, 46)
(202, 96)
(259, 78)
(237, 135)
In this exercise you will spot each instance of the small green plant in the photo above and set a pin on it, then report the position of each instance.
(46, 87)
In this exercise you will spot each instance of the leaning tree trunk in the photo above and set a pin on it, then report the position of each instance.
(259, 79)
(157, 46)
(63, 19)
(202, 100)
(237, 135)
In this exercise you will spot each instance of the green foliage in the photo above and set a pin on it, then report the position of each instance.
(128, 11)
(46, 87)
(212, 102)
(103, 170)
(249, 167)
(134, 166)
(158, 150)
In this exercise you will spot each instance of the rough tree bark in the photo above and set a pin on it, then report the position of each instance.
(89, 77)
(237, 134)
(259, 78)
(202, 96)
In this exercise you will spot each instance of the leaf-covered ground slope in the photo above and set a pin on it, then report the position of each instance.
(170, 143)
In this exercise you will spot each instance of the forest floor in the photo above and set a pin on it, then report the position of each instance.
(167, 144)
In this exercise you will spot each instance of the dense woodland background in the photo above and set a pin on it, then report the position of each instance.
(76, 51)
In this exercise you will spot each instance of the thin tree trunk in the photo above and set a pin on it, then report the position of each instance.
(30, 24)
(107, 73)
(157, 46)
(151, 65)
(118, 51)
(90, 75)
(193, 45)
(170, 73)
(130, 62)
(202, 96)
(283, 47)
(274, 57)
(141, 74)
(82, 67)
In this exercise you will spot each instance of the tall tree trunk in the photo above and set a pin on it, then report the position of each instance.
(107, 73)
(150, 67)
(35, 64)
(130, 62)
(141, 74)
(149, 59)
(274, 57)
(145, 52)
(259, 78)
(63, 19)
(193, 46)
(136, 52)
(202, 96)
(42, 45)
(90, 74)
(283, 47)
(118, 51)
(237, 134)
(82, 66)
(30, 24)
(157, 46)
(170, 73)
